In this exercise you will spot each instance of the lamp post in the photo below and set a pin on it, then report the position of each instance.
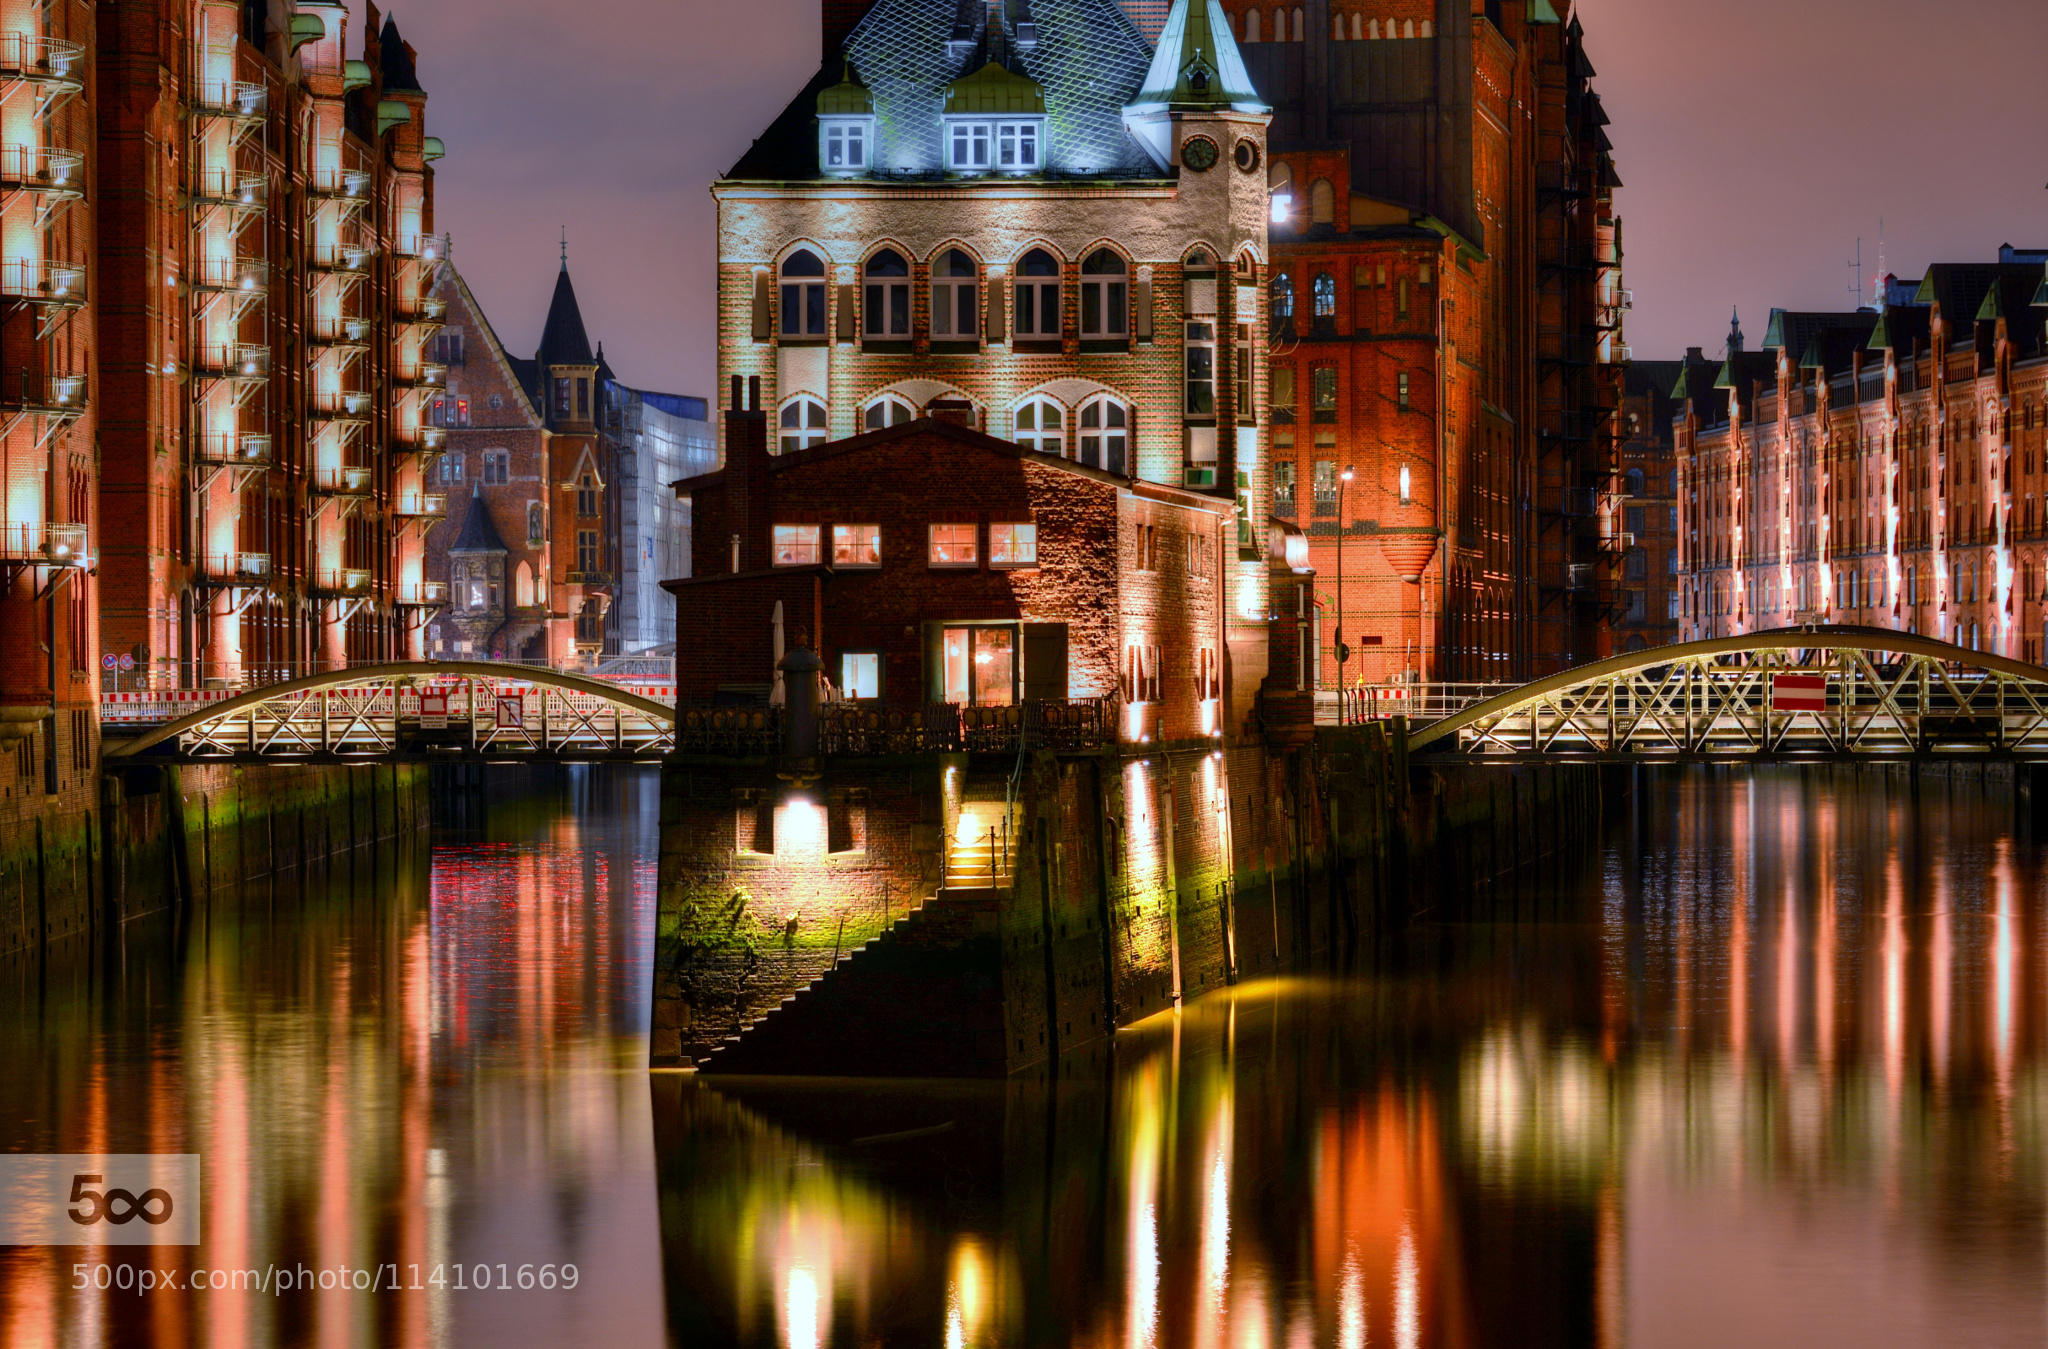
(1343, 652)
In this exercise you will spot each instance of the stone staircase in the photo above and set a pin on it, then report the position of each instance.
(921, 999)
(983, 860)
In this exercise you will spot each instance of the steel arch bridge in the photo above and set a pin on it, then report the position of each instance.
(1784, 695)
(419, 710)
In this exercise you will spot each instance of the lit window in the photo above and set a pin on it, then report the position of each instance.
(1038, 295)
(1013, 545)
(1323, 290)
(845, 147)
(1407, 495)
(1283, 485)
(860, 674)
(1323, 392)
(1105, 434)
(856, 545)
(968, 146)
(954, 312)
(1041, 426)
(954, 546)
(1282, 291)
(885, 300)
(1105, 295)
(796, 545)
(803, 424)
(886, 411)
(803, 295)
(1009, 146)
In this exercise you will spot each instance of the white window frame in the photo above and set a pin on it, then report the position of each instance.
(849, 685)
(1028, 426)
(968, 145)
(796, 540)
(971, 562)
(852, 139)
(1020, 145)
(1108, 294)
(1012, 544)
(805, 289)
(1030, 306)
(1011, 145)
(894, 409)
(879, 299)
(953, 292)
(807, 431)
(1097, 410)
(845, 540)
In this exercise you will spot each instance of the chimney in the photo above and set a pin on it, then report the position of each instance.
(746, 475)
(1694, 355)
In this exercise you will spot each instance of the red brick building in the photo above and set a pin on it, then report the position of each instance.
(1645, 612)
(1884, 468)
(1446, 312)
(1027, 579)
(524, 445)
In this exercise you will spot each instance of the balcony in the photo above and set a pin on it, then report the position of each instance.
(248, 192)
(423, 595)
(44, 544)
(228, 450)
(591, 579)
(51, 395)
(55, 285)
(341, 185)
(347, 482)
(341, 406)
(237, 569)
(243, 362)
(54, 63)
(426, 375)
(35, 168)
(342, 582)
(231, 274)
(426, 309)
(238, 100)
(420, 506)
(351, 259)
(341, 332)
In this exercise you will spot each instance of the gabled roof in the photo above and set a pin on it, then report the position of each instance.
(1198, 64)
(562, 339)
(1085, 55)
(1829, 337)
(478, 534)
(519, 372)
(395, 60)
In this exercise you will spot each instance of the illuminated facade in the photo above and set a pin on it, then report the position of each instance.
(1446, 314)
(1881, 468)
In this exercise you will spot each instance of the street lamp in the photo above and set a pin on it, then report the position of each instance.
(1343, 652)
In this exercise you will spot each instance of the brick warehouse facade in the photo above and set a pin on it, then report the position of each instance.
(1446, 317)
(213, 269)
(1645, 612)
(1886, 467)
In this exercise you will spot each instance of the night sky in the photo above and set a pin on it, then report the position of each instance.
(1757, 138)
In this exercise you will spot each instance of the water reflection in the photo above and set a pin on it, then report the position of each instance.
(409, 1064)
(1772, 1073)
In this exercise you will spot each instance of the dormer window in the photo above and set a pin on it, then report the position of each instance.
(844, 142)
(1007, 145)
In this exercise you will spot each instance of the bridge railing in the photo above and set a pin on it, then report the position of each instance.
(1420, 701)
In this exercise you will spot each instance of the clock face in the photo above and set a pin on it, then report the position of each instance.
(1246, 153)
(1198, 153)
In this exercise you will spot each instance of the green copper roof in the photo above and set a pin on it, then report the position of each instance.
(1774, 336)
(355, 74)
(1540, 11)
(1197, 64)
(1925, 295)
(390, 113)
(1726, 379)
(307, 28)
(2041, 295)
(1993, 308)
(848, 98)
(1811, 360)
(1681, 391)
(992, 89)
(1880, 337)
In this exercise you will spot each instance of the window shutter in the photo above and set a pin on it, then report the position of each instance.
(845, 321)
(761, 333)
(993, 324)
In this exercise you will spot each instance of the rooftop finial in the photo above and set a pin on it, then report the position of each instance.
(565, 248)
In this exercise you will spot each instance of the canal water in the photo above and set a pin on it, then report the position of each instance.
(1770, 1071)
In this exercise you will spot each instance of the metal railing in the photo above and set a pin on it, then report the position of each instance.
(236, 568)
(51, 60)
(235, 451)
(47, 283)
(40, 168)
(422, 595)
(346, 481)
(58, 545)
(1416, 701)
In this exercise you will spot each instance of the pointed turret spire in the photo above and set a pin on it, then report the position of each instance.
(1197, 65)
(395, 57)
(563, 340)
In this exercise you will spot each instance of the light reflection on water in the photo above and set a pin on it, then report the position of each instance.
(1776, 1077)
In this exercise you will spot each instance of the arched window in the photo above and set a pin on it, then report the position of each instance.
(803, 423)
(1279, 25)
(803, 294)
(1635, 482)
(1251, 25)
(1357, 27)
(1372, 30)
(1105, 295)
(1324, 292)
(1042, 426)
(1300, 33)
(1322, 202)
(1282, 292)
(885, 299)
(522, 585)
(1038, 296)
(1427, 29)
(1337, 27)
(955, 315)
(1408, 29)
(888, 410)
(1105, 435)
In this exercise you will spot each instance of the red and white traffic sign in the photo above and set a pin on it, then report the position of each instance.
(1799, 692)
(434, 708)
(511, 711)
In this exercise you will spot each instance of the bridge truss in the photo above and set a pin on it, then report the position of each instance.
(1788, 694)
(421, 710)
